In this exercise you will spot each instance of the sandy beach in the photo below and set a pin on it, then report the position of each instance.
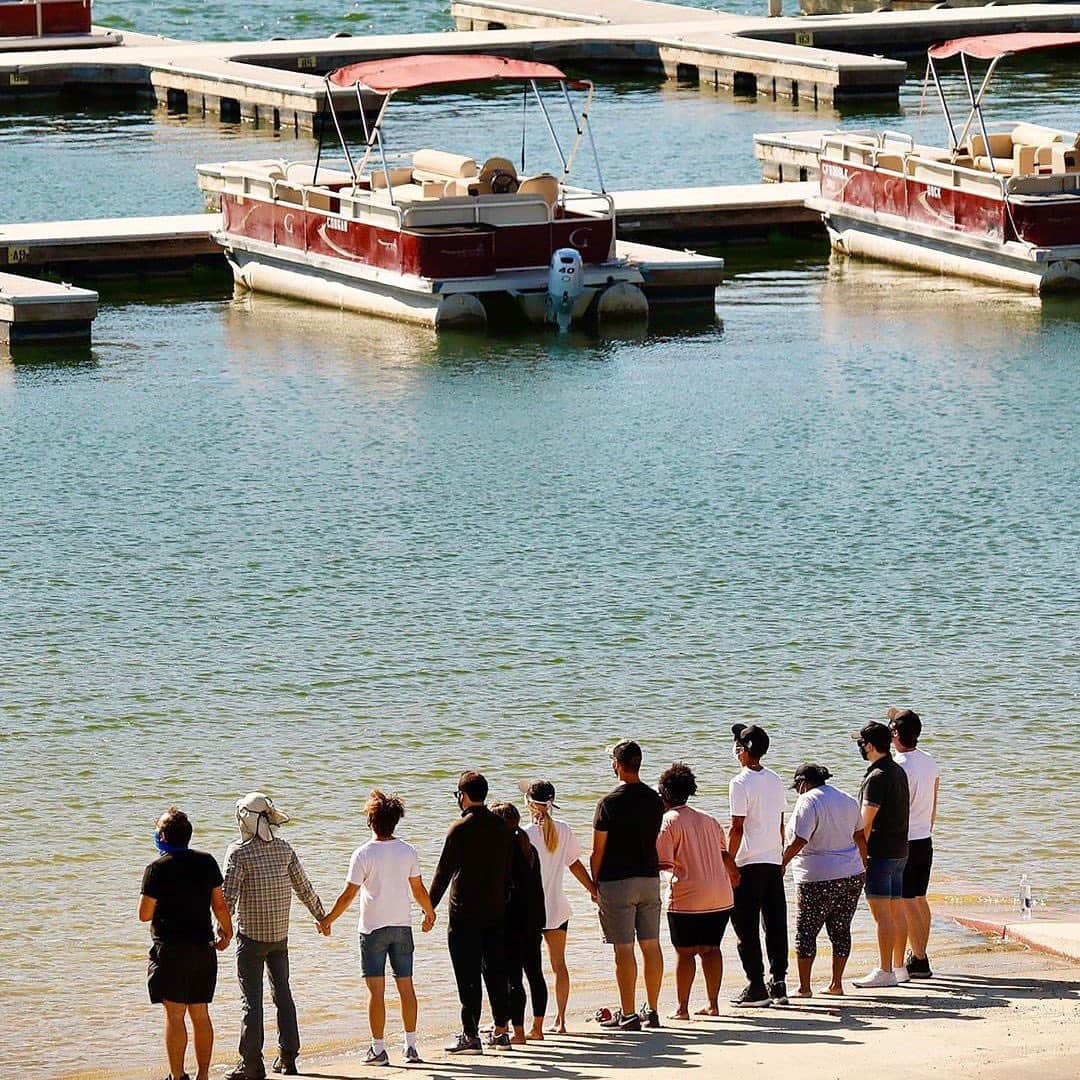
(998, 1012)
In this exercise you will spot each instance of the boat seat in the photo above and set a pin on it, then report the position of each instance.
(1040, 135)
(1001, 146)
(545, 185)
(482, 210)
(303, 172)
(398, 176)
(1064, 159)
(498, 176)
(1001, 165)
(893, 162)
(440, 165)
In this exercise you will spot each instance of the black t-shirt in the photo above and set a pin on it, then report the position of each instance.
(885, 786)
(631, 817)
(182, 884)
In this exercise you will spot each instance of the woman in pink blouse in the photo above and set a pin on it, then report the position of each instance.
(692, 846)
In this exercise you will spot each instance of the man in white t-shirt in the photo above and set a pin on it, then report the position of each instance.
(385, 874)
(924, 779)
(756, 841)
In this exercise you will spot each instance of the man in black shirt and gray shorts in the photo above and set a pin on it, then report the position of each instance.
(626, 870)
(179, 891)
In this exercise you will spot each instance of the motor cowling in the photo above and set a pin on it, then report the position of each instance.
(566, 283)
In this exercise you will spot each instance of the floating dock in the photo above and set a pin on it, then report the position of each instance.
(790, 157)
(739, 213)
(42, 311)
(822, 61)
(110, 245)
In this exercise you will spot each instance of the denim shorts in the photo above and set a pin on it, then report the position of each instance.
(885, 878)
(395, 942)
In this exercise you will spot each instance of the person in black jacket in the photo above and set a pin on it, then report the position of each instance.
(476, 866)
(525, 920)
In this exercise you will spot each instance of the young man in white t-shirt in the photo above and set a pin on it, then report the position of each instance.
(756, 841)
(924, 779)
(385, 874)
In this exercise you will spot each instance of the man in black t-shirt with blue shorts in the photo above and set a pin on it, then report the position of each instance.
(626, 870)
(179, 892)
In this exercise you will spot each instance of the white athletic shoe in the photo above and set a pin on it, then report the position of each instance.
(901, 974)
(876, 978)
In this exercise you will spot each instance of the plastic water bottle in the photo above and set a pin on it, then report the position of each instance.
(1025, 897)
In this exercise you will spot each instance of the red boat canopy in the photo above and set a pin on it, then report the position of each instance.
(413, 72)
(992, 46)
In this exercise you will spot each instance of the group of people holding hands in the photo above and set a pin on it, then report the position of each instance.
(505, 883)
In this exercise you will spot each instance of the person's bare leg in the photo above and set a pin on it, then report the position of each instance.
(712, 967)
(918, 913)
(175, 1037)
(202, 1031)
(653, 962)
(881, 909)
(900, 931)
(836, 987)
(556, 946)
(685, 970)
(806, 964)
(626, 977)
(376, 1006)
(407, 996)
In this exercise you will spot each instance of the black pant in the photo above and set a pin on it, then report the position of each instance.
(760, 900)
(479, 948)
(523, 957)
(251, 957)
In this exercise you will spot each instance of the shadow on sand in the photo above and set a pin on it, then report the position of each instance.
(836, 1021)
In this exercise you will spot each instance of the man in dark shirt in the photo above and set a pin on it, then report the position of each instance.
(627, 874)
(475, 864)
(884, 800)
(179, 891)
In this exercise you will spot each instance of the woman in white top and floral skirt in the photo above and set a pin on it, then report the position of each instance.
(559, 851)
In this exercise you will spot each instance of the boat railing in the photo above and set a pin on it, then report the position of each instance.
(893, 139)
(586, 201)
(473, 210)
(950, 174)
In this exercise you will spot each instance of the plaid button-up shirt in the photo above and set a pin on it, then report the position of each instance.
(260, 878)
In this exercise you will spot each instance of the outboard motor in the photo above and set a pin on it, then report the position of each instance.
(566, 282)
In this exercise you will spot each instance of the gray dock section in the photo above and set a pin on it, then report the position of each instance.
(109, 245)
(732, 213)
(42, 311)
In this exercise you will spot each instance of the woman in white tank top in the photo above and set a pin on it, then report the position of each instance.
(559, 851)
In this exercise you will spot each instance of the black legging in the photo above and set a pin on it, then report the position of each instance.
(523, 958)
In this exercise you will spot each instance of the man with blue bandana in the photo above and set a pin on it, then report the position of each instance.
(179, 892)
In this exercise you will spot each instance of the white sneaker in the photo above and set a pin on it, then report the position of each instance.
(876, 978)
(901, 974)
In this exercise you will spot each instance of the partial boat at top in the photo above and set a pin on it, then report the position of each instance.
(433, 237)
(1000, 203)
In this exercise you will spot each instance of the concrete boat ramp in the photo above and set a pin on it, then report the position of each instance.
(821, 60)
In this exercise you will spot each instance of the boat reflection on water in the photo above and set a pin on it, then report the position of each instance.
(274, 335)
(926, 312)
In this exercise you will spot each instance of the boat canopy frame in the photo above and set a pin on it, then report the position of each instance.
(378, 77)
(992, 48)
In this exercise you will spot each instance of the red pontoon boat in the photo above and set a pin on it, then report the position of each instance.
(1001, 203)
(433, 237)
(43, 18)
